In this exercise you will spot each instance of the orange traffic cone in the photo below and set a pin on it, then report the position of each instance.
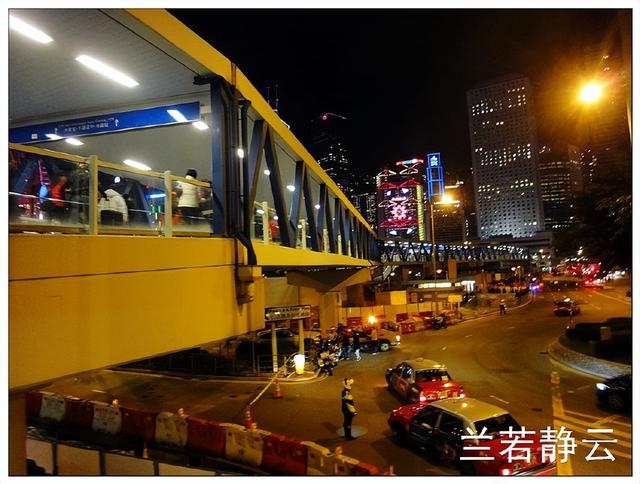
(278, 392)
(248, 421)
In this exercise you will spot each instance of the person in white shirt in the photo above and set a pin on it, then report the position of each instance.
(189, 202)
(111, 203)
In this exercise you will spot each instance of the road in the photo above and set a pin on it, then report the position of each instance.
(499, 359)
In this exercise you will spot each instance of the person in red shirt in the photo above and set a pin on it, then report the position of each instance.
(58, 208)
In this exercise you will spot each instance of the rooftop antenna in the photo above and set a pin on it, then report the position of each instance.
(276, 109)
(269, 95)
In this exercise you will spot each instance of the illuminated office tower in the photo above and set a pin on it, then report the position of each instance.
(560, 182)
(505, 158)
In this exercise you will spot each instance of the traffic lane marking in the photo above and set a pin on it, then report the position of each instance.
(499, 399)
(576, 421)
(628, 303)
(616, 453)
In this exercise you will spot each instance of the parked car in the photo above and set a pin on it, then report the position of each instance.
(421, 380)
(438, 427)
(615, 393)
(592, 283)
(565, 307)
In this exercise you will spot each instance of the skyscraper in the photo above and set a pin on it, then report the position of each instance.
(505, 157)
(328, 145)
(560, 181)
(609, 131)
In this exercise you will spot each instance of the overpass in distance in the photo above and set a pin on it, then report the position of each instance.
(87, 294)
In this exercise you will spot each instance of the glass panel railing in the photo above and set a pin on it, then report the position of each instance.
(47, 193)
(129, 203)
(192, 206)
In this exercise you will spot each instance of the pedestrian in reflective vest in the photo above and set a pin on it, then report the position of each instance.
(348, 408)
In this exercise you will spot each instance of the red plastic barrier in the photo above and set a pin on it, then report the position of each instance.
(33, 402)
(364, 469)
(78, 412)
(284, 456)
(138, 424)
(205, 436)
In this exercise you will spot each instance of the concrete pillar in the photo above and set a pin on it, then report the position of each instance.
(17, 434)
(329, 309)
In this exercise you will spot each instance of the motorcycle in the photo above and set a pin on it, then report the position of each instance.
(438, 323)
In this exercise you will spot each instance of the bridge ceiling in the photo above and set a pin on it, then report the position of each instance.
(46, 81)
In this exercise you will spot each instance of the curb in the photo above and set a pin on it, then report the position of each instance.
(585, 363)
(493, 312)
(237, 378)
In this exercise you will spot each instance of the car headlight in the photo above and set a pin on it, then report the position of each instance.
(601, 386)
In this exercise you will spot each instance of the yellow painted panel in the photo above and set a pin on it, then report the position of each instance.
(49, 255)
(61, 326)
(45, 152)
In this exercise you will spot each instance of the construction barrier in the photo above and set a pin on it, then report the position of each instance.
(171, 470)
(243, 445)
(364, 469)
(33, 403)
(125, 465)
(320, 460)
(74, 461)
(205, 436)
(171, 429)
(138, 424)
(78, 412)
(106, 418)
(41, 453)
(52, 406)
(344, 465)
(284, 456)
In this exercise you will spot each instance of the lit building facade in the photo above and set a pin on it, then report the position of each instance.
(329, 133)
(401, 200)
(560, 182)
(448, 215)
(364, 199)
(505, 158)
(609, 129)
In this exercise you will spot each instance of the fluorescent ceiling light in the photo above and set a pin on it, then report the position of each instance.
(177, 115)
(28, 30)
(201, 125)
(53, 136)
(317, 206)
(291, 188)
(240, 153)
(157, 195)
(74, 142)
(137, 164)
(107, 71)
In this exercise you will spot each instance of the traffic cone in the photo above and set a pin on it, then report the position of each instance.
(338, 450)
(248, 421)
(145, 451)
(278, 392)
(389, 472)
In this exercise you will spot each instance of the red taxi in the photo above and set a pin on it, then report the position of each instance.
(421, 380)
(437, 428)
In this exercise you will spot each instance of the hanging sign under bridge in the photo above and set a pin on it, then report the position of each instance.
(287, 312)
(107, 123)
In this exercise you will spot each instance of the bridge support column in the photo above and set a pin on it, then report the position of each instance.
(329, 309)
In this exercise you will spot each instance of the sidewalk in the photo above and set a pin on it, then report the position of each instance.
(585, 363)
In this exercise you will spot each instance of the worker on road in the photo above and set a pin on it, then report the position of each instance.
(348, 408)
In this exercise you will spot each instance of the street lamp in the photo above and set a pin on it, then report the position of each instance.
(590, 92)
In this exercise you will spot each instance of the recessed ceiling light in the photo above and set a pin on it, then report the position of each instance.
(201, 125)
(291, 188)
(137, 164)
(53, 136)
(28, 30)
(317, 207)
(240, 153)
(267, 172)
(177, 115)
(107, 71)
(74, 142)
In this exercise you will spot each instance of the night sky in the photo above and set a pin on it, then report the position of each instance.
(400, 76)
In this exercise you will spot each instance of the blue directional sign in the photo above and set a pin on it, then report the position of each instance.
(105, 123)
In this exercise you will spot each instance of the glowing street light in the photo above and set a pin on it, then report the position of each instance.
(590, 93)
